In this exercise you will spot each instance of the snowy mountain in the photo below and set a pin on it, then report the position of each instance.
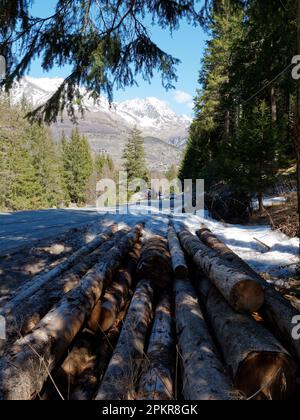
(152, 116)
(108, 126)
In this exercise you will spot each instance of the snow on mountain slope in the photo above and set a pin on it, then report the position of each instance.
(153, 117)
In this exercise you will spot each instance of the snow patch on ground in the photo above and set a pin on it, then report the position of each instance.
(279, 261)
(241, 239)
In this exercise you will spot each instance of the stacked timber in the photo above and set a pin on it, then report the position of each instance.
(87, 382)
(116, 296)
(180, 268)
(204, 377)
(157, 379)
(26, 367)
(277, 311)
(34, 300)
(155, 262)
(241, 290)
(260, 366)
(121, 377)
(37, 306)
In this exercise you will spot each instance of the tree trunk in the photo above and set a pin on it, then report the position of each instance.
(297, 128)
(88, 381)
(204, 377)
(45, 278)
(273, 105)
(24, 370)
(157, 380)
(260, 198)
(242, 291)
(37, 306)
(120, 380)
(155, 262)
(261, 367)
(277, 312)
(180, 268)
(115, 298)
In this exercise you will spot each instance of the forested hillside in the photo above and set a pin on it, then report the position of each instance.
(37, 171)
(241, 140)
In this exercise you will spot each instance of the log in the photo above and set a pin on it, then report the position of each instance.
(79, 359)
(157, 380)
(241, 290)
(120, 380)
(155, 262)
(24, 370)
(180, 268)
(204, 377)
(87, 382)
(106, 311)
(45, 278)
(28, 315)
(277, 311)
(260, 366)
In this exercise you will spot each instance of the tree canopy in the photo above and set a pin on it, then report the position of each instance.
(106, 42)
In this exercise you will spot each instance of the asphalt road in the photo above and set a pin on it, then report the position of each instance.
(25, 228)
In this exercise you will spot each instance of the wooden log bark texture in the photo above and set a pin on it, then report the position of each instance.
(155, 262)
(121, 377)
(157, 379)
(204, 376)
(277, 311)
(24, 370)
(180, 268)
(241, 290)
(261, 367)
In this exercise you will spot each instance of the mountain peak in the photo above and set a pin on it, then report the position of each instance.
(151, 115)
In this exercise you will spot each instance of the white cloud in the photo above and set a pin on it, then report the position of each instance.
(182, 97)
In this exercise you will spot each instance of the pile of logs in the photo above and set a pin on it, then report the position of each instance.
(159, 317)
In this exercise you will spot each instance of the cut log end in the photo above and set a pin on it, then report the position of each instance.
(268, 375)
(247, 296)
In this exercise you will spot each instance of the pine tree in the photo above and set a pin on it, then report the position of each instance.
(134, 157)
(78, 166)
(47, 165)
(104, 41)
(252, 159)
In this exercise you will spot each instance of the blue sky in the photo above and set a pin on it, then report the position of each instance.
(187, 44)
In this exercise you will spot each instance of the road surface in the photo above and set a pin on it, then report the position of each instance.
(24, 228)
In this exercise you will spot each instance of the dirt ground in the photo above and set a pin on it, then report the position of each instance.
(20, 267)
(281, 216)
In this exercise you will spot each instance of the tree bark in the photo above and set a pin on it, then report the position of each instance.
(120, 380)
(24, 370)
(260, 198)
(157, 380)
(261, 367)
(116, 296)
(241, 290)
(88, 381)
(180, 268)
(36, 307)
(273, 105)
(155, 262)
(277, 312)
(45, 278)
(204, 377)
(297, 127)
